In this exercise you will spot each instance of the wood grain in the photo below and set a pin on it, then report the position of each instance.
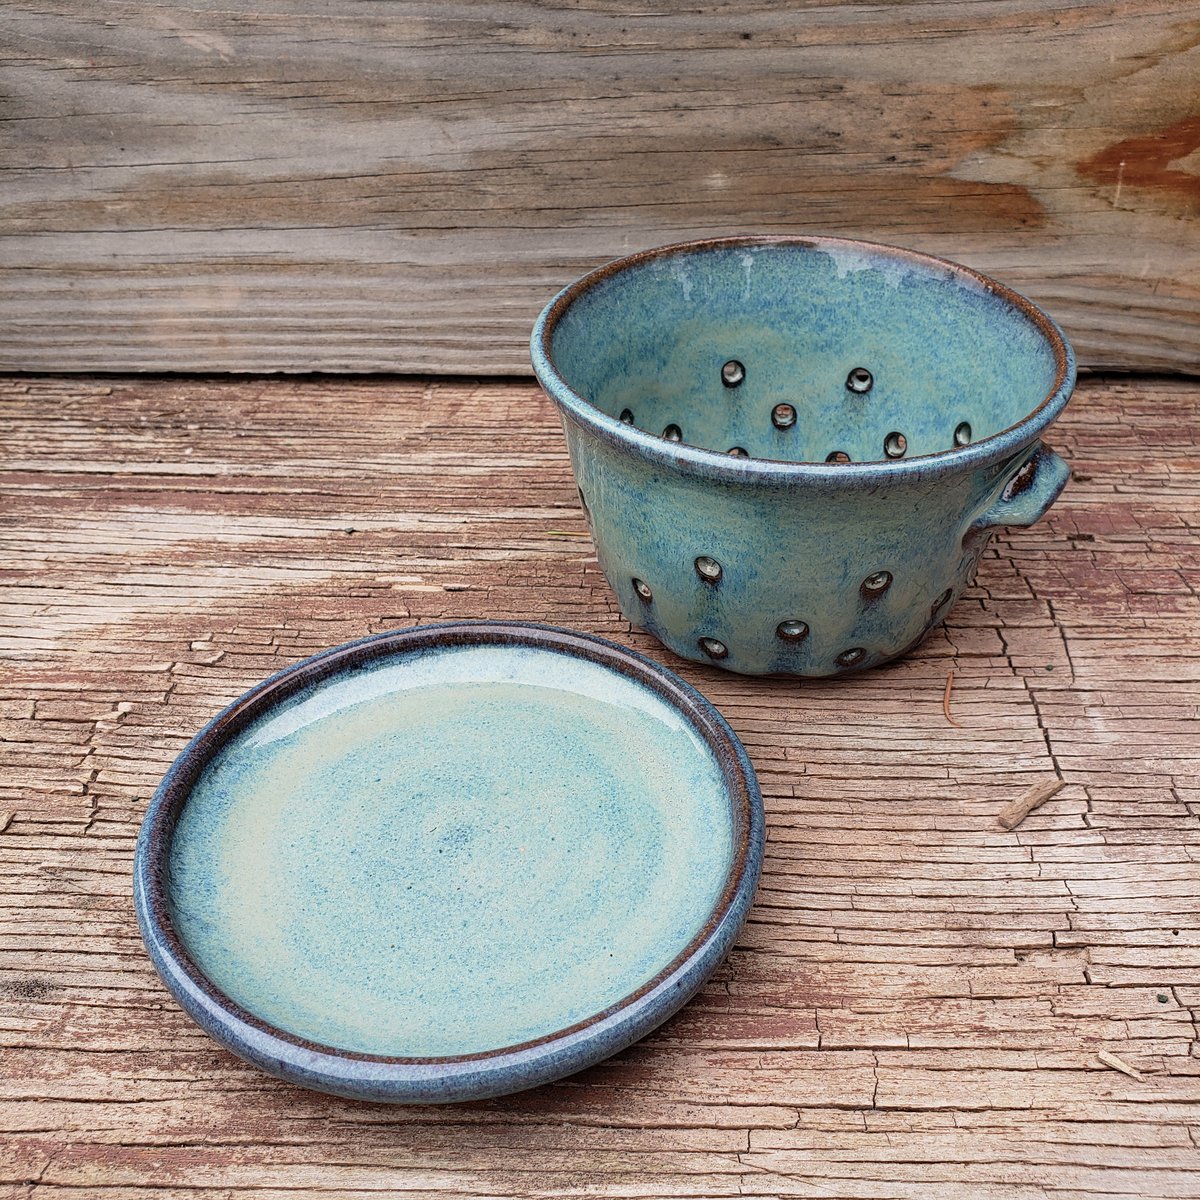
(403, 186)
(916, 1006)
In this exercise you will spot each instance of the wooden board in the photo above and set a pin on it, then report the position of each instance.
(401, 187)
(916, 1006)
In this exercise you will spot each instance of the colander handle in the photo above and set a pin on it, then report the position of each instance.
(1029, 491)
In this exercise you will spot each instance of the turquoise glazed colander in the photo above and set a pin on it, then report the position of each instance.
(793, 451)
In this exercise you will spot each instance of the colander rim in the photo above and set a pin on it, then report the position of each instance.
(720, 466)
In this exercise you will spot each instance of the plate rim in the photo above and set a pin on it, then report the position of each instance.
(401, 1077)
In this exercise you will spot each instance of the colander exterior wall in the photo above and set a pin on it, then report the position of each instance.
(804, 550)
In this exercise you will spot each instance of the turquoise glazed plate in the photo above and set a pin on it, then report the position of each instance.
(449, 863)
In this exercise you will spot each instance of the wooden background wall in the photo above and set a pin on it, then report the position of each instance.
(401, 186)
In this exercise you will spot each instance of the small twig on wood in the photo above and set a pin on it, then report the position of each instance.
(1012, 815)
(946, 701)
(1118, 1064)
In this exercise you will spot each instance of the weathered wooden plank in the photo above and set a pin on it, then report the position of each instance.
(402, 186)
(916, 1005)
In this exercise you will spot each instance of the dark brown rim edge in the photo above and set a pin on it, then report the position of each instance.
(745, 468)
(182, 776)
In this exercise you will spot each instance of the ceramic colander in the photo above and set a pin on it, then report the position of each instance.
(792, 451)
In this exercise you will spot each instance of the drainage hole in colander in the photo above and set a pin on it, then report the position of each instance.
(783, 416)
(860, 380)
(733, 374)
(673, 433)
(792, 631)
(941, 601)
(962, 434)
(643, 590)
(626, 416)
(709, 569)
(737, 452)
(895, 444)
(848, 658)
(875, 585)
(838, 456)
(713, 648)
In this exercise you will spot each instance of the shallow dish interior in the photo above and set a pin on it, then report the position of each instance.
(450, 852)
(804, 352)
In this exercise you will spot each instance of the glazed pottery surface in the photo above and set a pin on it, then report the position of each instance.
(450, 862)
(793, 451)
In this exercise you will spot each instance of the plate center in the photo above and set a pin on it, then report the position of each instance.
(451, 852)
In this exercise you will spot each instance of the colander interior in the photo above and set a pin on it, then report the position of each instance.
(804, 352)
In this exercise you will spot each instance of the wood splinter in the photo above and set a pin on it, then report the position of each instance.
(1118, 1064)
(946, 701)
(1013, 814)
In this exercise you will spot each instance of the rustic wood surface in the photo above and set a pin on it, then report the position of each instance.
(918, 1002)
(402, 186)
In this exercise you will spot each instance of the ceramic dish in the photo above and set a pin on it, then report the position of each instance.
(450, 862)
(793, 451)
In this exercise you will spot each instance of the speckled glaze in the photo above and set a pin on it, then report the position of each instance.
(706, 391)
(450, 862)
